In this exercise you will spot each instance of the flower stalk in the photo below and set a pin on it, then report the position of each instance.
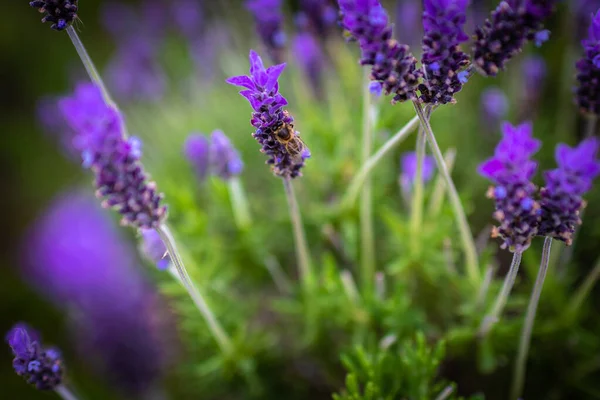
(239, 204)
(65, 393)
(416, 209)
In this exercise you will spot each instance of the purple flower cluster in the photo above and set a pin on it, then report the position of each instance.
(115, 160)
(269, 25)
(392, 64)
(41, 367)
(503, 35)
(561, 199)
(269, 118)
(59, 12)
(442, 60)
(215, 156)
(588, 71)
(511, 170)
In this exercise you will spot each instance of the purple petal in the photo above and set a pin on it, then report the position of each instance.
(241, 80)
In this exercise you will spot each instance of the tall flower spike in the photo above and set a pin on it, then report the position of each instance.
(393, 66)
(269, 25)
(443, 22)
(41, 367)
(196, 149)
(225, 161)
(274, 126)
(115, 160)
(59, 12)
(588, 71)
(561, 199)
(511, 170)
(503, 35)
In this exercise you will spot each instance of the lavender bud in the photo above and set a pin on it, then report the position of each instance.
(41, 367)
(225, 161)
(60, 13)
(269, 21)
(588, 71)
(196, 149)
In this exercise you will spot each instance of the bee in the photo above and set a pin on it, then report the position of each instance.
(286, 135)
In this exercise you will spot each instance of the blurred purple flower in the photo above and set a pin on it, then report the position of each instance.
(153, 248)
(561, 199)
(408, 26)
(41, 367)
(588, 71)
(317, 16)
(533, 76)
(51, 120)
(268, 16)
(196, 149)
(311, 59)
(59, 13)
(511, 170)
(408, 170)
(188, 16)
(225, 161)
(79, 259)
(494, 106)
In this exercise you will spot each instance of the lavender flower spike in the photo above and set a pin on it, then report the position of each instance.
(443, 22)
(225, 161)
(59, 12)
(561, 199)
(511, 170)
(588, 71)
(269, 21)
(392, 63)
(115, 160)
(41, 367)
(274, 129)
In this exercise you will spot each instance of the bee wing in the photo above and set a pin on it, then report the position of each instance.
(298, 149)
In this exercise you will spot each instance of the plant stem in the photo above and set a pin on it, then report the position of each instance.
(302, 252)
(180, 271)
(590, 125)
(439, 187)
(459, 212)
(367, 168)
(65, 393)
(281, 280)
(416, 209)
(485, 286)
(239, 204)
(89, 65)
(367, 239)
(509, 281)
(445, 393)
(519, 373)
(584, 290)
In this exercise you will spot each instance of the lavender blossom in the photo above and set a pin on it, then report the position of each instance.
(534, 72)
(60, 13)
(225, 161)
(41, 367)
(188, 16)
(311, 59)
(503, 35)
(561, 199)
(494, 105)
(392, 63)
(408, 170)
(153, 249)
(269, 117)
(269, 20)
(443, 22)
(115, 160)
(588, 71)
(317, 16)
(510, 170)
(196, 149)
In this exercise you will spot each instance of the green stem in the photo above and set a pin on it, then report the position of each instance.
(181, 273)
(439, 186)
(584, 290)
(509, 281)
(239, 204)
(459, 212)
(367, 168)
(590, 125)
(416, 209)
(65, 393)
(519, 373)
(444, 394)
(305, 271)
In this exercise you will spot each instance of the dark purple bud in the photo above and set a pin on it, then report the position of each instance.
(196, 149)
(60, 13)
(588, 71)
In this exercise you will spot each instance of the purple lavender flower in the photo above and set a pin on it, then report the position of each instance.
(269, 21)
(588, 71)
(41, 367)
(561, 199)
(310, 57)
(270, 119)
(225, 161)
(115, 160)
(77, 257)
(510, 170)
(188, 16)
(408, 21)
(392, 63)
(494, 104)
(408, 170)
(533, 76)
(153, 248)
(59, 12)
(503, 35)
(317, 16)
(443, 22)
(196, 149)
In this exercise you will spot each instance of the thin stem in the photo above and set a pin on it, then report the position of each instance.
(444, 394)
(367, 168)
(416, 209)
(459, 212)
(519, 373)
(302, 252)
(219, 334)
(349, 286)
(65, 393)
(367, 239)
(239, 204)
(509, 281)
(584, 290)
(89, 65)
(439, 186)
(281, 280)
(485, 286)
(590, 125)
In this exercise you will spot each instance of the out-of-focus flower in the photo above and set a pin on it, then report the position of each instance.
(115, 160)
(60, 13)
(408, 170)
(269, 25)
(188, 17)
(77, 257)
(196, 149)
(534, 74)
(274, 129)
(561, 199)
(153, 248)
(443, 22)
(494, 106)
(408, 26)
(41, 367)
(317, 16)
(225, 161)
(588, 71)
(511, 170)
(310, 57)
(366, 21)
(503, 35)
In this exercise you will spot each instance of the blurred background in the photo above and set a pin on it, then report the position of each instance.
(168, 60)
